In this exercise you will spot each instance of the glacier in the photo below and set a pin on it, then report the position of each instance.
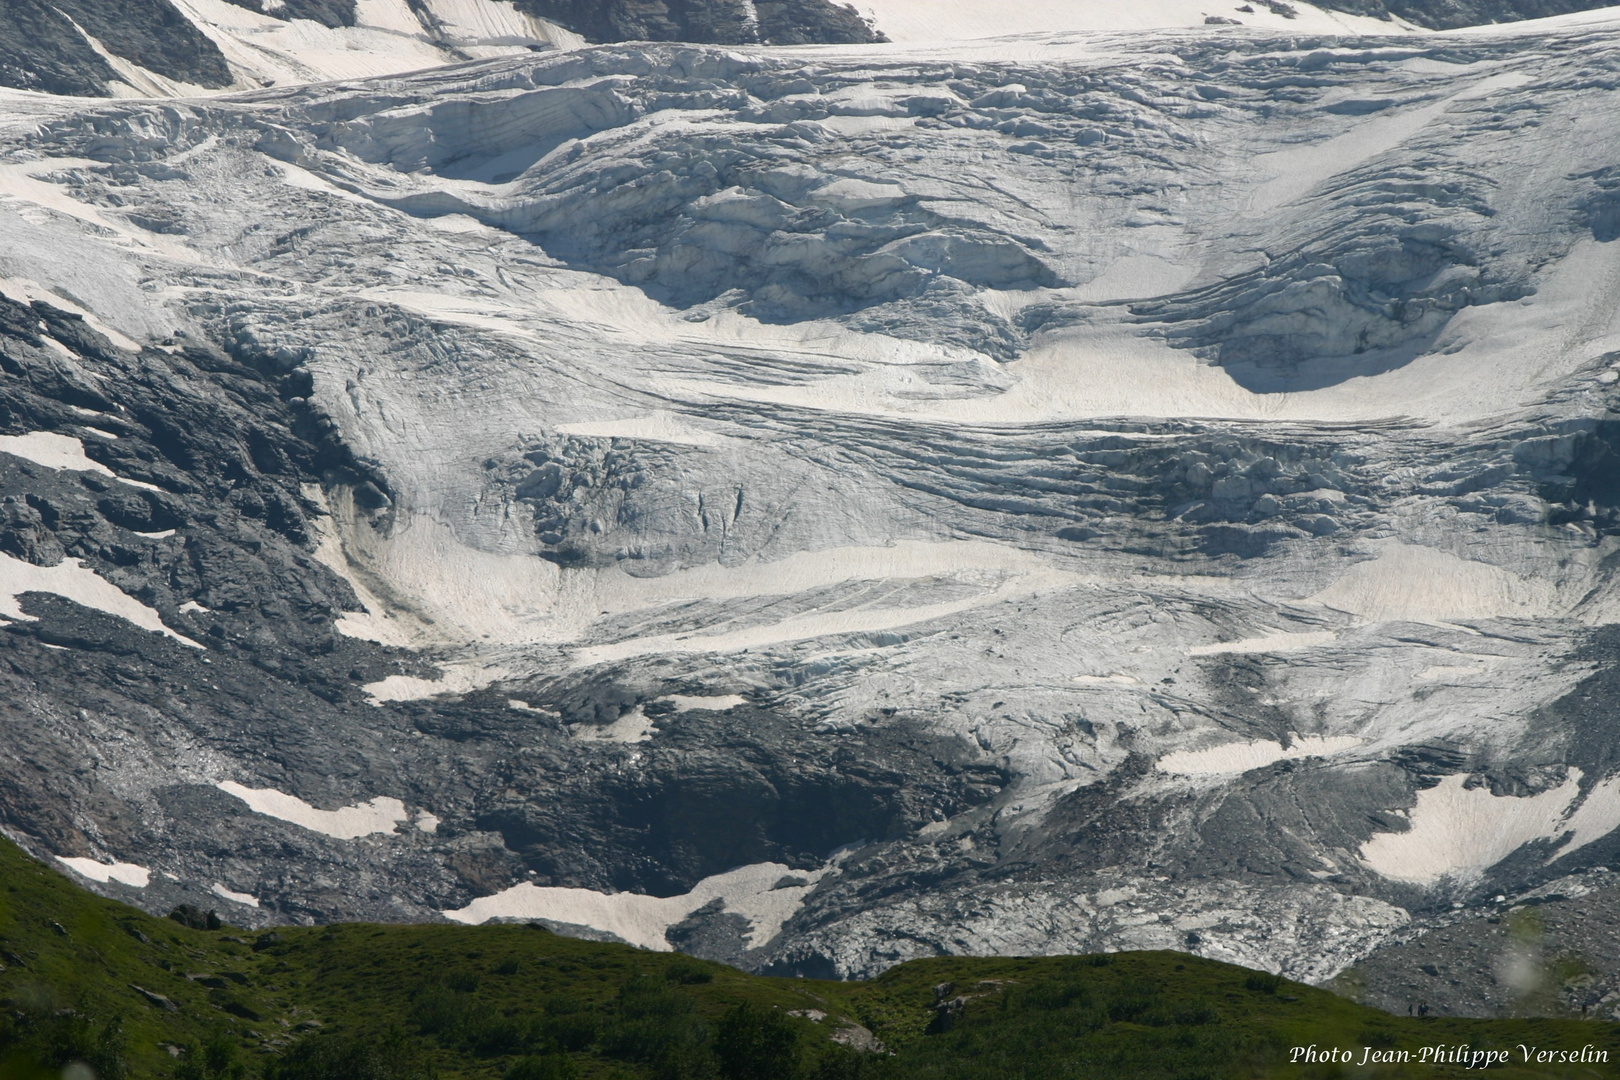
(1079, 490)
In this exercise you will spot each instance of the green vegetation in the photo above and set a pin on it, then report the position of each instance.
(94, 990)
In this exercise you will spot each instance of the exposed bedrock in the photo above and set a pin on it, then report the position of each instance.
(722, 22)
(56, 48)
(1447, 14)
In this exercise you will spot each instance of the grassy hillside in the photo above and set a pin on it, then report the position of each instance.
(92, 981)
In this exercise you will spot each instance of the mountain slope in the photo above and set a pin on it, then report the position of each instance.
(89, 979)
(820, 508)
(721, 22)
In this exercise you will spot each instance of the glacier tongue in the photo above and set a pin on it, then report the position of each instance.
(1133, 491)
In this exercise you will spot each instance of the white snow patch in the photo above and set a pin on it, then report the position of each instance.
(1596, 817)
(632, 727)
(60, 452)
(1107, 680)
(718, 703)
(641, 920)
(164, 535)
(191, 607)
(1240, 757)
(234, 897)
(52, 451)
(122, 872)
(1407, 582)
(1460, 832)
(380, 815)
(1268, 643)
(456, 679)
(70, 578)
(426, 822)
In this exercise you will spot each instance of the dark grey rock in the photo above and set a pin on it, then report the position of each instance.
(723, 22)
(41, 50)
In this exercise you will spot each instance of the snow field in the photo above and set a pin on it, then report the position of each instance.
(123, 873)
(380, 815)
(1458, 832)
(749, 891)
(72, 580)
(1241, 757)
(245, 899)
(62, 452)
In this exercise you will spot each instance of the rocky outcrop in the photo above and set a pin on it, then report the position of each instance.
(721, 22)
(49, 47)
(1450, 14)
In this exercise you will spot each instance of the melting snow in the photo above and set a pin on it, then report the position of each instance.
(1596, 817)
(456, 679)
(749, 891)
(122, 872)
(234, 897)
(60, 452)
(632, 727)
(1268, 643)
(1459, 832)
(73, 580)
(720, 703)
(380, 815)
(1240, 757)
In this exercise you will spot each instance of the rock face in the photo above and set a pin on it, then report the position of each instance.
(49, 47)
(152, 48)
(822, 508)
(1450, 14)
(721, 22)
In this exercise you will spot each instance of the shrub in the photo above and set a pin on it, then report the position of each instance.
(652, 1021)
(38, 1035)
(218, 1059)
(1263, 983)
(545, 1067)
(754, 1043)
(339, 1057)
(688, 972)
